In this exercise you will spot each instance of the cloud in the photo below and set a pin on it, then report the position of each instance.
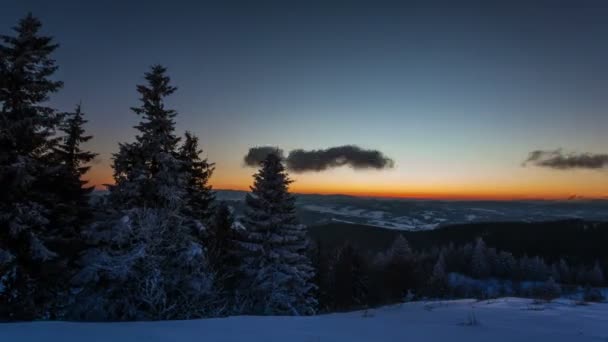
(557, 159)
(256, 154)
(300, 160)
(319, 160)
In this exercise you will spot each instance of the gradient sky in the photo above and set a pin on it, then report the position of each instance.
(456, 95)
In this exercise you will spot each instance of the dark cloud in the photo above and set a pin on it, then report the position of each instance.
(256, 154)
(557, 159)
(319, 160)
(353, 156)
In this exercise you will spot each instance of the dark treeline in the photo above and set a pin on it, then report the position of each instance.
(362, 266)
(578, 240)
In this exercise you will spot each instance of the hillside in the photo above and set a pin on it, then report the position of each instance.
(413, 214)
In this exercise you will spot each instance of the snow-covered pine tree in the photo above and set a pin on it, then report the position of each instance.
(565, 275)
(148, 172)
(438, 281)
(400, 249)
(526, 268)
(479, 261)
(596, 275)
(145, 262)
(143, 266)
(72, 211)
(275, 262)
(540, 271)
(30, 269)
(507, 265)
(199, 194)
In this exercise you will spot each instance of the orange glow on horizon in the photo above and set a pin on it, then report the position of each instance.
(512, 184)
(455, 194)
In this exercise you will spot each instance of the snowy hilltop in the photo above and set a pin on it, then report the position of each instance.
(507, 319)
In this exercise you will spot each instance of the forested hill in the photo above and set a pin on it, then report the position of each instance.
(583, 240)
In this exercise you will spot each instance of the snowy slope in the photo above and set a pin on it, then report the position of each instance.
(508, 319)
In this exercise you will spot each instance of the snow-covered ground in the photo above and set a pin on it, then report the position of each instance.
(507, 319)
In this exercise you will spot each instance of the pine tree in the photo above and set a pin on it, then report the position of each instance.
(29, 272)
(565, 275)
(439, 280)
(550, 289)
(400, 249)
(350, 286)
(222, 250)
(148, 172)
(479, 261)
(539, 269)
(275, 262)
(398, 269)
(596, 275)
(145, 265)
(199, 195)
(507, 265)
(144, 261)
(70, 154)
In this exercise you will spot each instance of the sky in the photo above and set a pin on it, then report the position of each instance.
(457, 95)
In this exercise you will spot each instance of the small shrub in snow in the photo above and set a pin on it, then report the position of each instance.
(471, 320)
(537, 305)
(367, 313)
(409, 296)
(593, 295)
(549, 291)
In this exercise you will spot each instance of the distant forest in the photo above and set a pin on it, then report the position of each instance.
(482, 260)
(160, 246)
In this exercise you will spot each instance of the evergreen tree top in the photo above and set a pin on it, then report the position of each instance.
(400, 248)
(190, 146)
(157, 126)
(26, 65)
(200, 169)
(157, 88)
(197, 171)
(70, 150)
(271, 173)
(270, 188)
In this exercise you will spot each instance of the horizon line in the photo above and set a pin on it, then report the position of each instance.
(430, 197)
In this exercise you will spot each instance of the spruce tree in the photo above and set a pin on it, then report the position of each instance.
(199, 194)
(275, 261)
(507, 265)
(30, 268)
(350, 283)
(222, 252)
(565, 275)
(145, 262)
(400, 249)
(438, 281)
(479, 262)
(74, 159)
(147, 172)
(399, 269)
(596, 275)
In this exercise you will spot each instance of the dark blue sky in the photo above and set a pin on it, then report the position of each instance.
(457, 95)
